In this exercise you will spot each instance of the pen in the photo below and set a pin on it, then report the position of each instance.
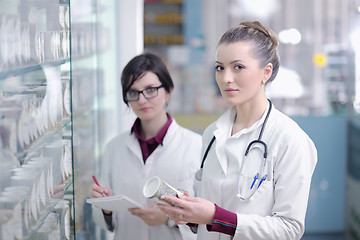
(255, 178)
(97, 183)
(263, 179)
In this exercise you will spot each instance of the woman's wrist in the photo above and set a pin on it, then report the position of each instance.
(209, 222)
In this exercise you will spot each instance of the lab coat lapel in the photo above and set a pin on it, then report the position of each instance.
(132, 143)
(221, 156)
(222, 131)
(170, 134)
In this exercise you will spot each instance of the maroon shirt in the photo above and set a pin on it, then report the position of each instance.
(149, 146)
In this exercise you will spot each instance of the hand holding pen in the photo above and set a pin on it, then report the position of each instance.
(98, 191)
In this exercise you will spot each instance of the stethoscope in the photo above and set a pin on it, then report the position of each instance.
(259, 177)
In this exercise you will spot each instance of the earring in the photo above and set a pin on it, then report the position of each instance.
(263, 82)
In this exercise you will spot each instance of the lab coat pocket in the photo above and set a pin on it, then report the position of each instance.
(254, 186)
(262, 195)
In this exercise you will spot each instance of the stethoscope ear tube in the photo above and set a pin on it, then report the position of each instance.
(199, 173)
(207, 151)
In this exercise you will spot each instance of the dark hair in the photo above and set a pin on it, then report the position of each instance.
(146, 62)
(264, 41)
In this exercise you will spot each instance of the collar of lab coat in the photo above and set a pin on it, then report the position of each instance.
(222, 132)
(134, 146)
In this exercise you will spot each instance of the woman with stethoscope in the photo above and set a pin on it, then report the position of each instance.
(257, 163)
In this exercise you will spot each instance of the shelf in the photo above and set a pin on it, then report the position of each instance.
(55, 206)
(162, 39)
(146, 2)
(41, 142)
(163, 23)
(30, 68)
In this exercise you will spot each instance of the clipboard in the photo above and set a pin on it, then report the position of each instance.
(119, 203)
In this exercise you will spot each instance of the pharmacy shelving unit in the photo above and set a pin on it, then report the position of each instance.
(49, 113)
(36, 189)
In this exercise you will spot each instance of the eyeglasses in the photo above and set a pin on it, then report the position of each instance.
(148, 93)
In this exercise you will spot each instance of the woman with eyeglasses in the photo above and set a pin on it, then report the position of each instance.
(155, 146)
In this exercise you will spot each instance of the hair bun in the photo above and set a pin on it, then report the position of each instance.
(261, 28)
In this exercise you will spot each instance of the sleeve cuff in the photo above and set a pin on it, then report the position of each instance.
(108, 221)
(224, 222)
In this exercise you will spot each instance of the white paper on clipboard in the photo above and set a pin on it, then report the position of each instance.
(119, 203)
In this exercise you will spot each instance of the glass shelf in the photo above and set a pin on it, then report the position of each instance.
(51, 216)
(28, 69)
(42, 142)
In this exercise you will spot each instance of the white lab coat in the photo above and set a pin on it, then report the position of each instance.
(123, 170)
(277, 210)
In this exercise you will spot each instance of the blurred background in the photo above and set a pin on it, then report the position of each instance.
(318, 84)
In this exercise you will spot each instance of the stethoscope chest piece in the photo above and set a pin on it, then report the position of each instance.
(199, 174)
